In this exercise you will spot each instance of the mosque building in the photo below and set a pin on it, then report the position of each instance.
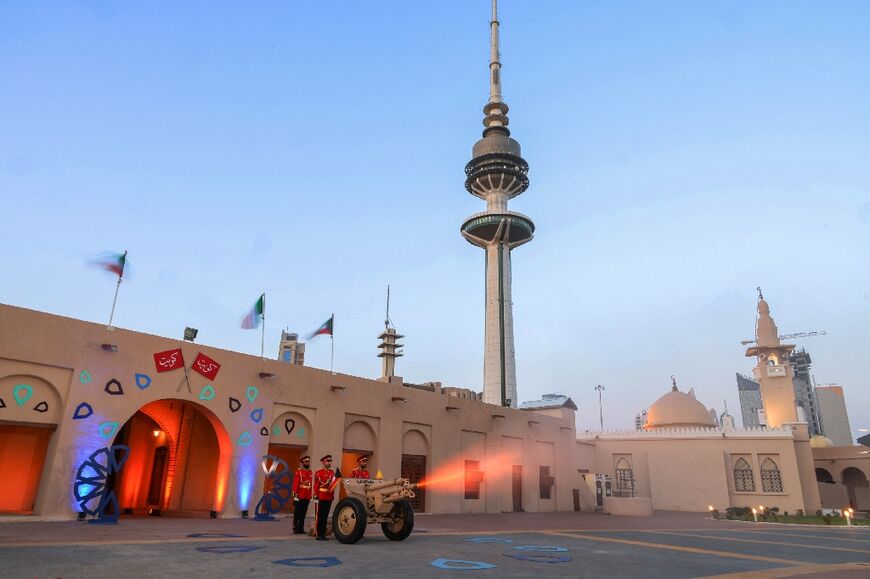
(174, 426)
(681, 460)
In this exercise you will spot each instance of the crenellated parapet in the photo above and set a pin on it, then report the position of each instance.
(689, 432)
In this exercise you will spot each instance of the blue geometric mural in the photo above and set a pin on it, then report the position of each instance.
(89, 488)
(143, 381)
(83, 410)
(22, 393)
(281, 478)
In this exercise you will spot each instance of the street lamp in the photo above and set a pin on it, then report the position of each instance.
(600, 388)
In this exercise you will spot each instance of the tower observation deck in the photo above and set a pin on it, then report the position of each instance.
(496, 173)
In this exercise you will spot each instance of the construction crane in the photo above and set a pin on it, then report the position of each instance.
(790, 336)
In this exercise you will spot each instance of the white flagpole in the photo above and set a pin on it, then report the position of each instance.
(263, 334)
(332, 343)
(117, 287)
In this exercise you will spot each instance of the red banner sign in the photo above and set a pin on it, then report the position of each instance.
(169, 360)
(206, 366)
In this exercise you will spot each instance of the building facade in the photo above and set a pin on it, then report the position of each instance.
(804, 392)
(290, 349)
(749, 392)
(198, 421)
(834, 417)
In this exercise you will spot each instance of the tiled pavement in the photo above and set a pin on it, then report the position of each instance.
(510, 545)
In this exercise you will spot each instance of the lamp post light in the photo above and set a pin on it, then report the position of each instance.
(711, 509)
(848, 514)
(755, 514)
(600, 388)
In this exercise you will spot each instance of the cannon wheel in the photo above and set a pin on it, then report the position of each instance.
(404, 524)
(349, 520)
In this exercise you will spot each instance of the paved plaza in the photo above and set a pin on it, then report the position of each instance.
(510, 545)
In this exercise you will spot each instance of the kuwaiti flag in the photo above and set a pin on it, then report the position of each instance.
(325, 328)
(252, 319)
(114, 262)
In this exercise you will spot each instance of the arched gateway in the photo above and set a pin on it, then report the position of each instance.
(179, 461)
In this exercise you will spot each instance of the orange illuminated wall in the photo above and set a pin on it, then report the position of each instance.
(22, 454)
(202, 464)
(134, 478)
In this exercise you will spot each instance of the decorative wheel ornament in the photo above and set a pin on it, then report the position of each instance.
(279, 481)
(89, 488)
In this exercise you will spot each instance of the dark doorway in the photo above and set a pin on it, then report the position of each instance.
(414, 469)
(158, 475)
(517, 487)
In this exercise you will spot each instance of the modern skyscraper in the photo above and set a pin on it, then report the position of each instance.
(835, 419)
(496, 173)
(750, 400)
(291, 350)
(805, 395)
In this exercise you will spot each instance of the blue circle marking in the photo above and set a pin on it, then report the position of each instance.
(309, 562)
(541, 548)
(540, 558)
(460, 565)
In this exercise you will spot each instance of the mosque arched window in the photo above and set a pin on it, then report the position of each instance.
(624, 479)
(743, 481)
(771, 478)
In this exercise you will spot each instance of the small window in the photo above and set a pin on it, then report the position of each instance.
(473, 479)
(546, 482)
(743, 481)
(624, 479)
(771, 478)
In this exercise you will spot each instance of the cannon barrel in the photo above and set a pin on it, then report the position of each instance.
(400, 482)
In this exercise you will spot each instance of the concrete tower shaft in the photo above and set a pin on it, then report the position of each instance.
(497, 173)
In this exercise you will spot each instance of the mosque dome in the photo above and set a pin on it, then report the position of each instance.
(819, 441)
(678, 410)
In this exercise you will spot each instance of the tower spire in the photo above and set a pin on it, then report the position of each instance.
(495, 111)
(496, 174)
(494, 64)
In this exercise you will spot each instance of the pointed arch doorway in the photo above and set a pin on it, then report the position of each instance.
(179, 461)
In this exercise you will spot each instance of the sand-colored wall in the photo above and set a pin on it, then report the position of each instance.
(55, 351)
(691, 469)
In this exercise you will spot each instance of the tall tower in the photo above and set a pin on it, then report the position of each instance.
(773, 372)
(390, 349)
(496, 173)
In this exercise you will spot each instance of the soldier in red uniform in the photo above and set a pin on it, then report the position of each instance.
(361, 471)
(302, 482)
(325, 480)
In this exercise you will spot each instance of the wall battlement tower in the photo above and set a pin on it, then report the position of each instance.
(496, 173)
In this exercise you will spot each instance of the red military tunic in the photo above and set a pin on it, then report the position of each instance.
(324, 489)
(360, 473)
(302, 482)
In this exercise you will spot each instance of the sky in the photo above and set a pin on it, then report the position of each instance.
(681, 154)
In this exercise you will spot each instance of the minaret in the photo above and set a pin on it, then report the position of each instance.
(389, 348)
(496, 173)
(773, 372)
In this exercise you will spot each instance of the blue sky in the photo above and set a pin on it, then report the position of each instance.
(681, 153)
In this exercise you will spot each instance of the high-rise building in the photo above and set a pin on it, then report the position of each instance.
(496, 173)
(749, 393)
(291, 350)
(640, 420)
(805, 395)
(834, 418)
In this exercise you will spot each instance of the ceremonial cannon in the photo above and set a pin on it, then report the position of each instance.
(372, 501)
